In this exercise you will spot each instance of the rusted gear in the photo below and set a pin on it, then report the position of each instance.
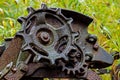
(43, 38)
(76, 64)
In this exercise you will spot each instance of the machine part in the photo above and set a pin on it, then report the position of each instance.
(51, 42)
(91, 39)
(76, 64)
(6, 70)
(80, 24)
(17, 73)
(57, 44)
(42, 38)
(52, 39)
(103, 71)
(11, 53)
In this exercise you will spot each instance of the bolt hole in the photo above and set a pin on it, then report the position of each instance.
(81, 70)
(84, 65)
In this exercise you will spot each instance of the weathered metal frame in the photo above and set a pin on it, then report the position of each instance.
(93, 55)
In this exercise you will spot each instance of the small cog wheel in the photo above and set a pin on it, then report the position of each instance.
(76, 64)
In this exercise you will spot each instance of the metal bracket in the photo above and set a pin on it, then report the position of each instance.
(6, 70)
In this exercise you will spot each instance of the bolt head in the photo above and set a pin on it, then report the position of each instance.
(91, 39)
(88, 56)
(14, 69)
(44, 37)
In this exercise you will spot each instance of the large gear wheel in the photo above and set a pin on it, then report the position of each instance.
(47, 33)
(42, 38)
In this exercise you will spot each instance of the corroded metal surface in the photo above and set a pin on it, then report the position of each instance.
(54, 43)
(11, 53)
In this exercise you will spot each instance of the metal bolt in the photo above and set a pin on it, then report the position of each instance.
(88, 56)
(44, 36)
(91, 39)
(14, 69)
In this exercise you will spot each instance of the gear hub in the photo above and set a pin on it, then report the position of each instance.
(44, 36)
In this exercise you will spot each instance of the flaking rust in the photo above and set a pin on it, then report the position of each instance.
(53, 43)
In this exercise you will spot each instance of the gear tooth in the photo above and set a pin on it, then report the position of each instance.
(26, 48)
(36, 58)
(68, 71)
(44, 6)
(69, 20)
(72, 48)
(73, 72)
(58, 11)
(78, 71)
(52, 61)
(24, 45)
(21, 20)
(63, 69)
(75, 34)
(30, 10)
(20, 34)
(63, 56)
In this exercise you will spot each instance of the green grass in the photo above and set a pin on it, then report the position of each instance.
(106, 15)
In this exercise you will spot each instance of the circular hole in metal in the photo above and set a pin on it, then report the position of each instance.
(82, 70)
